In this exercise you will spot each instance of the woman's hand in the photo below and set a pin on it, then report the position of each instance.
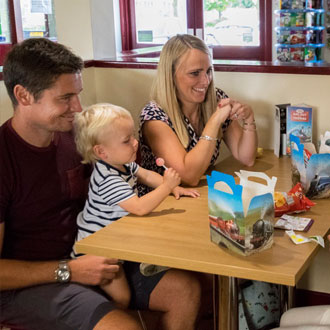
(224, 109)
(241, 111)
(180, 191)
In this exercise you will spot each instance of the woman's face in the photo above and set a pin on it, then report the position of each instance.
(192, 77)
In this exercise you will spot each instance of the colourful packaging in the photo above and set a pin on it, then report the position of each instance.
(299, 122)
(241, 216)
(313, 172)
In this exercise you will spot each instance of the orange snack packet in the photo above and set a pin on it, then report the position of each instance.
(293, 201)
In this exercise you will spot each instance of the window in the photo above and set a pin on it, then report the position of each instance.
(234, 29)
(23, 19)
(7, 36)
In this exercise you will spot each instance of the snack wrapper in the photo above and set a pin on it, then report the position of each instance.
(293, 201)
(300, 239)
(289, 222)
(310, 168)
(241, 215)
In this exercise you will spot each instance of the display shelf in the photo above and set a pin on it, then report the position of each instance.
(300, 45)
(299, 28)
(300, 32)
(302, 10)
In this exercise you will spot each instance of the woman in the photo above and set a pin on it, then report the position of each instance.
(188, 117)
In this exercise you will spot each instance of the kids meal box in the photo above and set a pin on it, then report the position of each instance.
(310, 168)
(241, 216)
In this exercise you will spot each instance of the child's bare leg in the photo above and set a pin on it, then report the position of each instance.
(118, 289)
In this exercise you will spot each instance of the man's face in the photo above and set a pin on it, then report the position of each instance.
(54, 111)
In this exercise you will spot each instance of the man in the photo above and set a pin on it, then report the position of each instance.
(43, 187)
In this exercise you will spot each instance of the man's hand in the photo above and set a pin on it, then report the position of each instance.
(180, 191)
(93, 270)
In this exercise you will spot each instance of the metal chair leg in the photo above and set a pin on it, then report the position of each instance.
(144, 326)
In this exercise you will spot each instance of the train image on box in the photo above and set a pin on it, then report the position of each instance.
(261, 232)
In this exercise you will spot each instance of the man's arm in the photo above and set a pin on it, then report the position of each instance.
(90, 270)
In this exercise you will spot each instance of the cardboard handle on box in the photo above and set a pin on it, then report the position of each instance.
(224, 182)
(252, 189)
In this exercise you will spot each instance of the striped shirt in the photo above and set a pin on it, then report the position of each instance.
(107, 188)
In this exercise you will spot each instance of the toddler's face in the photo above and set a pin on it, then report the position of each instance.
(118, 145)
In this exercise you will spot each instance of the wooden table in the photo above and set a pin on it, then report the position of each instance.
(177, 234)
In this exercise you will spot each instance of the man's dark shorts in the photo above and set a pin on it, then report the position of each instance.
(141, 286)
(70, 306)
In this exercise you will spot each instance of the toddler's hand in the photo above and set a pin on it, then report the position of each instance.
(171, 178)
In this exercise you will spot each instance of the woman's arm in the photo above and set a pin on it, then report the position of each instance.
(242, 141)
(193, 164)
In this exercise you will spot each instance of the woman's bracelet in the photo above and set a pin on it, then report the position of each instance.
(252, 122)
(249, 126)
(207, 138)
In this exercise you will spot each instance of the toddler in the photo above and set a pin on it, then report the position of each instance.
(104, 135)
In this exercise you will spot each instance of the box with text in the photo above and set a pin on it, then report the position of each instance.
(299, 121)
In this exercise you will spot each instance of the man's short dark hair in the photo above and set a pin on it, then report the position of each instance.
(36, 64)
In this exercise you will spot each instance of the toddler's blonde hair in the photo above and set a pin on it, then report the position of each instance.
(90, 124)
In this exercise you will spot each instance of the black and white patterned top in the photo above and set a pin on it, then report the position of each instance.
(152, 111)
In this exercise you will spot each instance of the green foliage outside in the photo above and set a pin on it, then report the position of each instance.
(222, 5)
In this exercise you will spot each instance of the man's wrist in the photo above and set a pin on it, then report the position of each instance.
(62, 273)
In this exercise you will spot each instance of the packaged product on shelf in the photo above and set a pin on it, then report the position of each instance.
(241, 216)
(297, 19)
(285, 19)
(318, 52)
(317, 4)
(310, 54)
(297, 37)
(297, 54)
(309, 4)
(298, 4)
(311, 19)
(300, 19)
(311, 37)
(283, 36)
(283, 54)
(310, 168)
(286, 4)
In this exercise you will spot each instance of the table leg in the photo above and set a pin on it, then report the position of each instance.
(228, 303)
(287, 298)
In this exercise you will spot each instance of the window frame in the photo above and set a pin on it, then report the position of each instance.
(195, 22)
(16, 28)
(5, 47)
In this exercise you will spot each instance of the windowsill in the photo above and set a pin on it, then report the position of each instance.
(142, 59)
(148, 59)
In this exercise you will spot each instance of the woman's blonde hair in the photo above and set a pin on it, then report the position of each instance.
(164, 92)
(90, 124)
